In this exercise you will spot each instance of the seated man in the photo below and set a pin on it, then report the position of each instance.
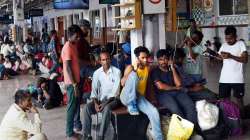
(16, 125)
(167, 85)
(196, 90)
(51, 95)
(105, 88)
(136, 87)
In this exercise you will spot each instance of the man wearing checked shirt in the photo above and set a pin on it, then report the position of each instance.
(105, 88)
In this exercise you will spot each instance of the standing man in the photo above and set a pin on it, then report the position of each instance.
(234, 56)
(193, 61)
(71, 73)
(84, 49)
(105, 89)
(45, 40)
(193, 27)
(53, 52)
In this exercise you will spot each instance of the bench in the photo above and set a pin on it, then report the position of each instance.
(129, 127)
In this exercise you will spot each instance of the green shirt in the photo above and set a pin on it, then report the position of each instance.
(194, 66)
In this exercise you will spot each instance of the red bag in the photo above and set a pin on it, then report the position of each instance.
(87, 86)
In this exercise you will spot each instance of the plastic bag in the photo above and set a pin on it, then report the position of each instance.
(179, 128)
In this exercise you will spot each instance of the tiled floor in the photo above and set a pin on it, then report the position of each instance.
(54, 120)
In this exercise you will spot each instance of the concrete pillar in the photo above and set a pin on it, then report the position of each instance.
(162, 31)
(149, 29)
(102, 17)
(56, 23)
(18, 13)
(86, 14)
(74, 19)
(69, 22)
(80, 15)
(136, 40)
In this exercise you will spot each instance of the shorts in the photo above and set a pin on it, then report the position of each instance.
(225, 90)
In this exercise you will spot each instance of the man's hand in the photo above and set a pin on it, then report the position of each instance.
(97, 107)
(39, 98)
(101, 107)
(33, 110)
(76, 90)
(47, 96)
(225, 55)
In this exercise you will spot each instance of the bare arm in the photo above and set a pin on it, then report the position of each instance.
(242, 59)
(69, 70)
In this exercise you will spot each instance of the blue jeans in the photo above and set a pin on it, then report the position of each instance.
(204, 94)
(153, 115)
(178, 103)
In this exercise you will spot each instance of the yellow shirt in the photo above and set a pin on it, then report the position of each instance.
(143, 78)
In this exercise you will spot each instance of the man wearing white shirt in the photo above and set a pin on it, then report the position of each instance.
(16, 125)
(105, 88)
(6, 49)
(234, 56)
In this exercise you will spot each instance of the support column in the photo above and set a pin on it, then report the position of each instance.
(56, 23)
(18, 13)
(81, 16)
(74, 19)
(149, 29)
(65, 27)
(69, 22)
(162, 31)
(136, 40)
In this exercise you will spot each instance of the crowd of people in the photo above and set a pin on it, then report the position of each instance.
(175, 82)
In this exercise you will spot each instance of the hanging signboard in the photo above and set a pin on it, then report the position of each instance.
(154, 6)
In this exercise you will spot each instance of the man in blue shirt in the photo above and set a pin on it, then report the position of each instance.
(167, 85)
(105, 89)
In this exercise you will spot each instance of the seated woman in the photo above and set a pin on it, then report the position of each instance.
(51, 95)
(29, 64)
(8, 67)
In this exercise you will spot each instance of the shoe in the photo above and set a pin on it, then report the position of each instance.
(100, 138)
(77, 129)
(47, 106)
(86, 137)
(132, 108)
(73, 137)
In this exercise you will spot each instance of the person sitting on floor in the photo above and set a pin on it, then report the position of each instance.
(51, 95)
(16, 125)
(3, 74)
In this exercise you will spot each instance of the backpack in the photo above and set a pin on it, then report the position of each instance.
(231, 116)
